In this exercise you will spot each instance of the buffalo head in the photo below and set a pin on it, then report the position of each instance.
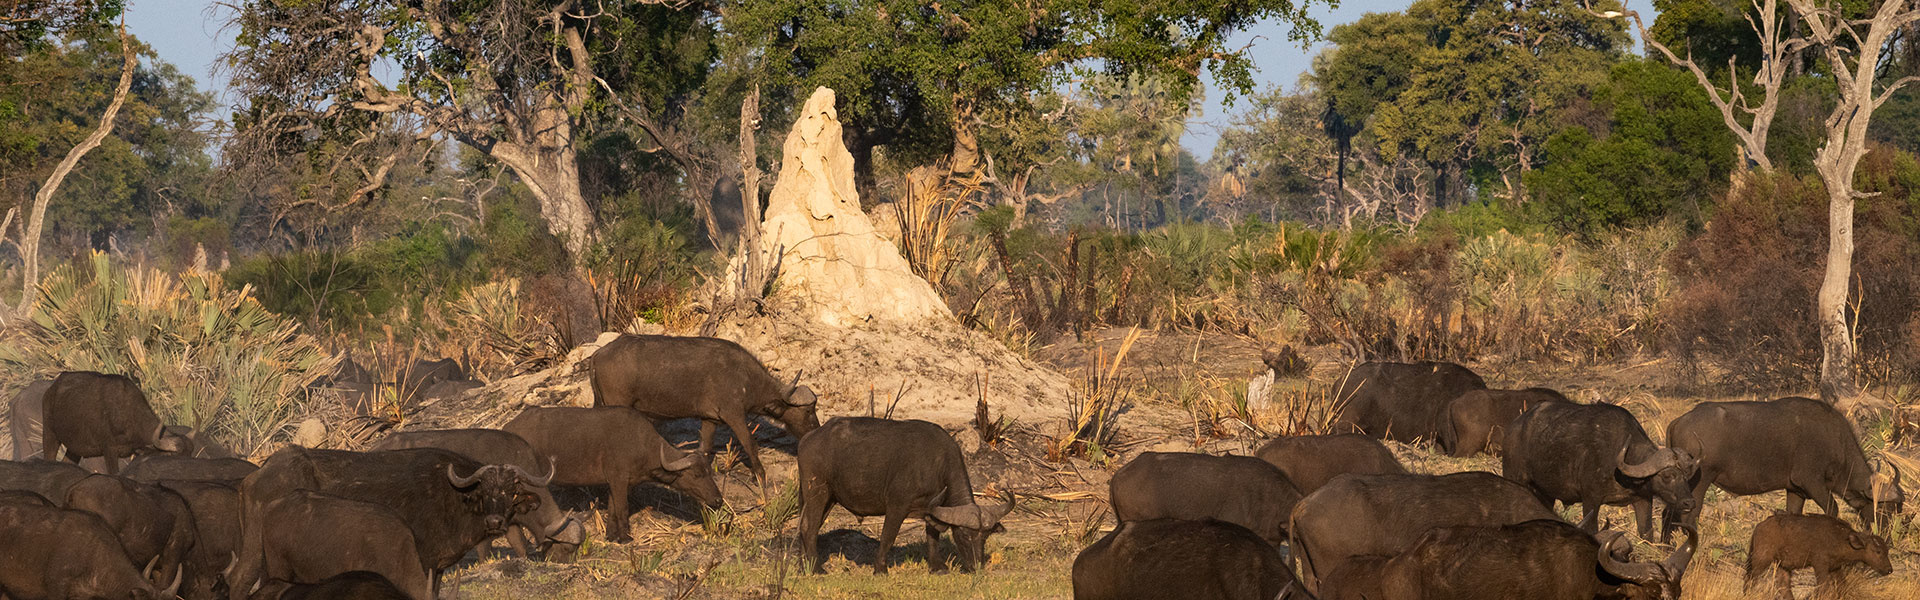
(690, 476)
(971, 525)
(796, 410)
(170, 442)
(1648, 580)
(1883, 498)
(1668, 473)
(497, 492)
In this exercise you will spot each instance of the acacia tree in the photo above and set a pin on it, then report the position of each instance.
(514, 79)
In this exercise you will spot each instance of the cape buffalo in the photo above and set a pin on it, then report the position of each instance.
(93, 414)
(424, 374)
(614, 446)
(1821, 542)
(73, 555)
(44, 477)
(356, 585)
(1400, 401)
(309, 537)
(24, 417)
(1357, 579)
(1800, 445)
(157, 467)
(1535, 560)
(898, 469)
(1359, 515)
(1477, 420)
(1310, 461)
(154, 524)
(216, 521)
(1241, 490)
(450, 502)
(23, 497)
(557, 533)
(1597, 455)
(711, 379)
(1175, 559)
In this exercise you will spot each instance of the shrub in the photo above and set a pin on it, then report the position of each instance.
(205, 355)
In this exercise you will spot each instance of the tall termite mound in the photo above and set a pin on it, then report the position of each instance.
(849, 315)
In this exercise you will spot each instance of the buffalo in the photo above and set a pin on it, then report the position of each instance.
(93, 414)
(1241, 490)
(1310, 461)
(1800, 445)
(1535, 560)
(451, 502)
(711, 379)
(1821, 542)
(896, 469)
(1477, 421)
(1400, 401)
(158, 467)
(1597, 455)
(154, 524)
(558, 534)
(310, 536)
(24, 417)
(216, 521)
(57, 554)
(23, 497)
(424, 374)
(1171, 558)
(1357, 579)
(1360, 515)
(47, 478)
(613, 446)
(354, 585)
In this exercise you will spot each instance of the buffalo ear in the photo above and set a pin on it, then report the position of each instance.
(802, 396)
(1853, 539)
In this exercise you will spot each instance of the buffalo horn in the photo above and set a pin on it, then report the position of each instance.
(460, 482)
(529, 478)
(147, 571)
(1886, 486)
(801, 396)
(1660, 459)
(1641, 573)
(173, 589)
(685, 462)
(1676, 563)
(1005, 508)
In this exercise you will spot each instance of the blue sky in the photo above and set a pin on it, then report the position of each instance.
(188, 34)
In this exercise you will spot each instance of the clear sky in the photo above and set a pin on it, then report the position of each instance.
(188, 33)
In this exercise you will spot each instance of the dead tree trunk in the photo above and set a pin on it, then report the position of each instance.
(753, 266)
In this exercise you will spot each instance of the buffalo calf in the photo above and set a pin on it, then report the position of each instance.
(1477, 421)
(1310, 461)
(1175, 559)
(711, 379)
(1820, 542)
(614, 446)
(1241, 490)
(895, 469)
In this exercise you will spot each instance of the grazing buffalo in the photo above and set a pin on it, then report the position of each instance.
(1800, 445)
(1535, 560)
(896, 469)
(1175, 559)
(1400, 401)
(1477, 421)
(309, 536)
(216, 521)
(93, 414)
(450, 502)
(356, 585)
(614, 446)
(711, 379)
(1360, 515)
(557, 533)
(1241, 490)
(158, 467)
(154, 524)
(24, 417)
(1820, 542)
(1310, 461)
(44, 477)
(58, 554)
(1597, 455)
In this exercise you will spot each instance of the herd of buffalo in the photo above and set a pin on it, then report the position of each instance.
(185, 518)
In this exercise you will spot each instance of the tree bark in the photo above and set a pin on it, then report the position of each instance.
(966, 140)
(753, 261)
(37, 217)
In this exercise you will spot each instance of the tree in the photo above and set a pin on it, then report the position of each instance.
(514, 79)
(919, 78)
(1778, 51)
(1853, 48)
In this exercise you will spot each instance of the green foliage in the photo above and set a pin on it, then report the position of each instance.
(205, 355)
(345, 288)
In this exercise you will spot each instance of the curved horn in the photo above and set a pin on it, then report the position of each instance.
(147, 571)
(460, 482)
(1676, 563)
(1005, 508)
(173, 589)
(529, 478)
(1885, 487)
(1661, 459)
(686, 461)
(1641, 573)
(796, 380)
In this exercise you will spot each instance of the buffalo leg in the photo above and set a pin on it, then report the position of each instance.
(1699, 506)
(1643, 517)
(748, 449)
(517, 539)
(813, 514)
(706, 439)
(888, 531)
(1796, 503)
(112, 464)
(617, 510)
(936, 558)
(1824, 498)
